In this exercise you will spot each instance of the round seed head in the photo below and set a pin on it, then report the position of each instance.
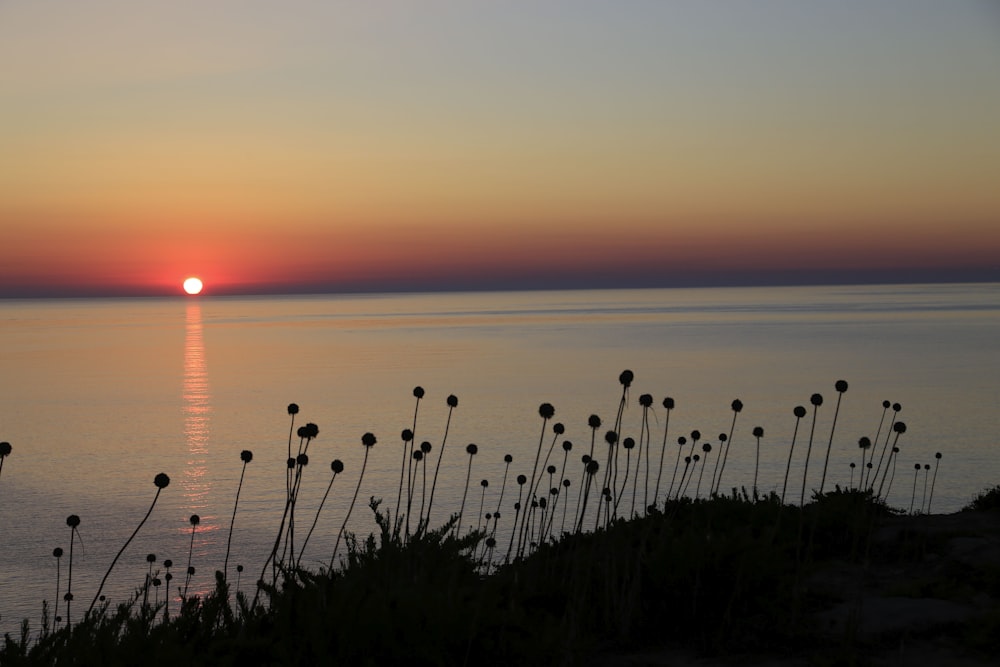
(567, 445)
(57, 552)
(302, 459)
(195, 519)
(542, 502)
(816, 399)
(337, 466)
(302, 432)
(452, 401)
(156, 581)
(491, 542)
(706, 448)
(864, 442)
(290, 462)
(566, 483)
(312, 430)
(737, 405)
(895, 450)
(927, 466)
(886, 404)
(916, 466)
(697, 457)
(368, 440)
(696, 435)
(646, 400)
(896, 407)
(551, 469)
(899, 427)
(168, 563)
(150, 558)
(161, 480)
(668, 403)
(687, 460)
(417, 455)
(758, 431)
(5, 449)
(558, 428)
(937, 455)
(554, 491)
(72, 521)
(293, 408)
(628, 443)
(546, 410)
(418, 391)
(68, 597)
(522, 480)
(191, 570)
(484, 483)
(585, 458)
(626, 378)
(611, 437)
(869, 465)
(246, 456)
(852, 465)
(682, 441)
(723, 437)
(407, 435)
(592, 467)
(594, 421)
(841, 386)
(239, 568)
(799, 411)
(425, 447)
(471, 449)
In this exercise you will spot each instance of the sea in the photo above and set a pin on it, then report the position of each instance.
(98, 396)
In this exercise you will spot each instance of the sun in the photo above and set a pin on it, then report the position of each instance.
(193, 286)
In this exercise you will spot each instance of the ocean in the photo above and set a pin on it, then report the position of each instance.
(97, 396)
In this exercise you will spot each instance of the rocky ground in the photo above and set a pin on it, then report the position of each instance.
(928, 594)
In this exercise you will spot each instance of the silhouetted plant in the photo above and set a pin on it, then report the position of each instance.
(5, 450)
(482, 505)
(57, 553)
(681, 441)
(73, 521)
(646, 401)
(923, 497)
(668, 404)
(896, 408)
(841, 387)
(418, 393)
(799, 413)
(715, 471)
(161, 481)
(898, 428)
(864, 444)
(246, 456)
(293, 409)
(629, 445)
(937, 464)
(452, 404)
(337, 467)
(407, 437)
(470, 449)
(737, 408)
(758, 433)
(913, 494)
(368, 441)
(167, 577)
(816, 400)
(194, 520)
(521, 481)
(591, 469)
(546, 412)
(562, 526)
(707, 448)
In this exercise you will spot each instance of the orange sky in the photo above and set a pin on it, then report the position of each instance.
(474, 145)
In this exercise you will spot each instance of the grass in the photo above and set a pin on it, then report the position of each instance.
(724, 574)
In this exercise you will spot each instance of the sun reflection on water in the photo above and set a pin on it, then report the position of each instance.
(197, 409)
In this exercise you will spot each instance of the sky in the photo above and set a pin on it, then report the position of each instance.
(469, 144)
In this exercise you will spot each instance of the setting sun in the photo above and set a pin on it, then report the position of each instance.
(192, 286)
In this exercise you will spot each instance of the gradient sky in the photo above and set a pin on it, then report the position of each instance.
(325, 146)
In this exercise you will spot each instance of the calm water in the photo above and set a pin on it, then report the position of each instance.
(97, 396)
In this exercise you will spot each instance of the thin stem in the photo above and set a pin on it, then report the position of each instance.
(122, 550)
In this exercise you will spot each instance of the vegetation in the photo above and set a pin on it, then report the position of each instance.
(717, 573)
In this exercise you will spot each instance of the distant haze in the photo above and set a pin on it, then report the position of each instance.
(454, 144)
